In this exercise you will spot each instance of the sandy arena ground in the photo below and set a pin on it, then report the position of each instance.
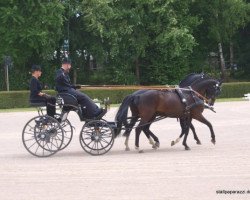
(166, 173)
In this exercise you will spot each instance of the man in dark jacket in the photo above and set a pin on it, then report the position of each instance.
(36, 94)
(63, 84)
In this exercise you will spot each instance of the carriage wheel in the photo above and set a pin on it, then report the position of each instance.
(42, 136)
(96, 137)
(68, 132)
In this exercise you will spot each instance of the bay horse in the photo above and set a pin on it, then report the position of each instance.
(187, 81)
(152, 103)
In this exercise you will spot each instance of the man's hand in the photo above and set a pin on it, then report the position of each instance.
(47, 96)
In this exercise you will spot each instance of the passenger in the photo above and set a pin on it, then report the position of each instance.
(63, 84)
(36, 94)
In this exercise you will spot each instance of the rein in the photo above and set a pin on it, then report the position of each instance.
(134, 127)
(191, 90)
(199, 95)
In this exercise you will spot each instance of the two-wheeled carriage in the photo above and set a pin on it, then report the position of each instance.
(44, 136)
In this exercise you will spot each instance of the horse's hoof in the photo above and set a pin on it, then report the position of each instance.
(198, 142)
(172, 143)
(187, 148)
(157, 144)
(141, 151)
(213, 141)
(127, 149)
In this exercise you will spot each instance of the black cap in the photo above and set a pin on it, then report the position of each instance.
(66, 61)
(36, 68)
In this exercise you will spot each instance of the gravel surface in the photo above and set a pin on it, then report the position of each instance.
(166, 173)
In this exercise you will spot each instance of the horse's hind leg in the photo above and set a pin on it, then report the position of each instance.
(138, 130)
(137, 136)
(149, 133)
(128, 131)
(203, 120)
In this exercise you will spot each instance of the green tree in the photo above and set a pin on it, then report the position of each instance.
(134, 34)
(29, 31)
(221, 21)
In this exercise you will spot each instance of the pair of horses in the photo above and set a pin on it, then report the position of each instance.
(185, 103)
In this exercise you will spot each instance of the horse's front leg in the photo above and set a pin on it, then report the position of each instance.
(203, 120)
(186, 127)
(182, 124)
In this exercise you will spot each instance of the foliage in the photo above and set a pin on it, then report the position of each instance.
(29, 34)
(221, 21)
(130, 42)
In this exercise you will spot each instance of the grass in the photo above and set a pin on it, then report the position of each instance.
(230, 99)
(112, 105)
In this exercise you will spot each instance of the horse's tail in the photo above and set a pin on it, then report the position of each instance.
(121, 116)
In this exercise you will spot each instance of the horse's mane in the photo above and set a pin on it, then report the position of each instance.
(190, 78)
(204, 78)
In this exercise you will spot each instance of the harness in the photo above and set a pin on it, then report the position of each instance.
(197, 98)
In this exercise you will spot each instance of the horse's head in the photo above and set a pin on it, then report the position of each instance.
(208, 87)
(213, 90)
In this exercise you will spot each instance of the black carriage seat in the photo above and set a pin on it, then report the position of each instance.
(40, 106)
(37, 104)
(68, 102)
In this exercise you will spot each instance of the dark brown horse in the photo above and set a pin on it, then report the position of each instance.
(154, 103)
(187, 81)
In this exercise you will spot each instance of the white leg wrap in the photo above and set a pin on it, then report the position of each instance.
(177, 140)
(151, 141)
(126, 142)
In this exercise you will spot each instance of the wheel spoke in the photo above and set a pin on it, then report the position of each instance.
(29, 139)
(103, 141)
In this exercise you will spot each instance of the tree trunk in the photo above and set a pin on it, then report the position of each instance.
(222, 61)
(74, 76)
(137, 68)
(6, 72)
(231, 58)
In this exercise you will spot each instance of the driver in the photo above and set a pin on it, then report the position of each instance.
(63, 84)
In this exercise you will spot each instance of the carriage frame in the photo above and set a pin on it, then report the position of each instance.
(43, 136)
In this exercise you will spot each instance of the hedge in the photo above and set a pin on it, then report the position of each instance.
(235, 89)
(19, 99)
